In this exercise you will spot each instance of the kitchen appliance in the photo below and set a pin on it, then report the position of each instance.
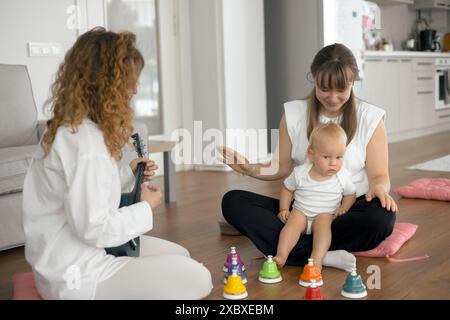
(327, 22)
(342, 22)
(446, 41)
(371, 22)
(428, 40)
(410, 44)
(442, 83)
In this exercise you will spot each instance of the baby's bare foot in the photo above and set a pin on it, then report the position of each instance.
(280, 261)
(319, 267)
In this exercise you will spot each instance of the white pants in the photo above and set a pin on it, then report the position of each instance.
(163, 271)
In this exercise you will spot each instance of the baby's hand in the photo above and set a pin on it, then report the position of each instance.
(283, 215)
(340, 211)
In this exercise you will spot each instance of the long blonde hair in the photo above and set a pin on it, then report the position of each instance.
(334, 67)
(92, 82)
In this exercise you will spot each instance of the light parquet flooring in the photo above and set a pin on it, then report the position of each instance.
(192, 222)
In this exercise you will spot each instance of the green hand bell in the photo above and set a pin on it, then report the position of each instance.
(353, 286)
(269, 272)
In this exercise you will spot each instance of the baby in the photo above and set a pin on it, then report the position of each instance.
(323, 190)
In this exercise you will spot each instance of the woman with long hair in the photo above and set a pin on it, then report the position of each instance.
(371, 218)
(73, 187)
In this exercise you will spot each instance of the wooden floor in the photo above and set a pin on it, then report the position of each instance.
(192, 222)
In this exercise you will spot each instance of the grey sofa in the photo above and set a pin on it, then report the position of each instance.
(20, 132)
(19, 136)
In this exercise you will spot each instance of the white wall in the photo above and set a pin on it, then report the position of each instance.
(228, 65)
(206, 61)
(23, 21)
(293, 37)
(397, 23)
(169, 65)
(244, 64)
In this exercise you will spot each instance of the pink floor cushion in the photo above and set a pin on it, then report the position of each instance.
(435, 189)
(402, 232)
(24, 287)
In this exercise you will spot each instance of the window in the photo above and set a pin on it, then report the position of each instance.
(140, 17)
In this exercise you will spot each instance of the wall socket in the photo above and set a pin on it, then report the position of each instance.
(44, 49)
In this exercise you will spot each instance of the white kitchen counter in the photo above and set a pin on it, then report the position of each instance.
(411, 54)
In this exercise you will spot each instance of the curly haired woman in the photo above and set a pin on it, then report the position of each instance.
(72, 189)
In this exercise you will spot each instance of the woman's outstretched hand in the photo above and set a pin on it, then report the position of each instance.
(150, 167)
(151, 194)
(235, 160)
(386, 200)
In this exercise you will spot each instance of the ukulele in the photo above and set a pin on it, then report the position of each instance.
(131, 248)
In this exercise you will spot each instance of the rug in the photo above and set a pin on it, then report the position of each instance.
(24, 287)
(440, 164)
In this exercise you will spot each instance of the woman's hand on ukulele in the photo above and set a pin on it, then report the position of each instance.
(151, 194)
(150, 167)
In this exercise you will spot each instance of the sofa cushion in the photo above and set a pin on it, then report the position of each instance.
(402, 232)
(24, 287)
(14, 163)
(18, 114)
(434, 189)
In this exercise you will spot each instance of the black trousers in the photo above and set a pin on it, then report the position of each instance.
(362, 228)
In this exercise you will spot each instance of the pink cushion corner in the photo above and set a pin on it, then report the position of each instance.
(402, 232)
(433, 189)
(24, 287)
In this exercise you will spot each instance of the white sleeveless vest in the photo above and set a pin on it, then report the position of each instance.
(368, 117)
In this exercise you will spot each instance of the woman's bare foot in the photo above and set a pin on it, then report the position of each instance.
(280, 261)
(340, 259)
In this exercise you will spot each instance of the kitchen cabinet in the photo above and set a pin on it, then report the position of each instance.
(419, 113)
(432, 4)
(443, 117)
(392, 2)
(404, 88)
(381, 88)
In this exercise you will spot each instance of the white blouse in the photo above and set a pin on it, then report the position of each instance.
(368, 117)
(70, 213)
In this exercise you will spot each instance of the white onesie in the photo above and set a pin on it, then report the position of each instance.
(315, 197)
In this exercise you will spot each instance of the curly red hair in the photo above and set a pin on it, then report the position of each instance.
(93, 82)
